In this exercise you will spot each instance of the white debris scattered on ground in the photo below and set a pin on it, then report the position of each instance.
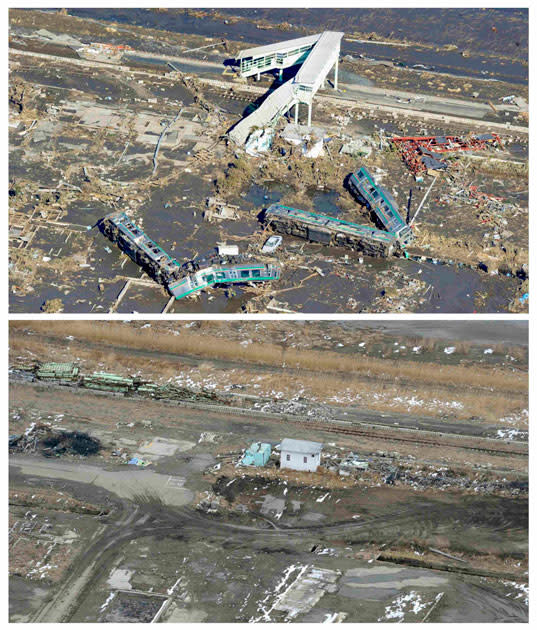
(516, 418)
(108, 600)
(335, 617)
(328, 551)
(409, 603)
(208, 436)
(512, 434)
(411, 402)
(262, 606)
(521, 591)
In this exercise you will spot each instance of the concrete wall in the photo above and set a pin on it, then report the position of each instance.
(296, 461)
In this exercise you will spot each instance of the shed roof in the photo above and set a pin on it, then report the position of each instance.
(259, 447)
(300, 446)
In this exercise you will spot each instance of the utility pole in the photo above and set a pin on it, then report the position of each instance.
(423, 201)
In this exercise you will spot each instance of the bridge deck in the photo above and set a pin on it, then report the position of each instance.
(324, 55)
(279, 47)
(316, 53)
(275, 105)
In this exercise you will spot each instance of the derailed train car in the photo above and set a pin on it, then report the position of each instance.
(329, 230)
(381, 204)
(134, 242)
(224, 274)
(185, 279)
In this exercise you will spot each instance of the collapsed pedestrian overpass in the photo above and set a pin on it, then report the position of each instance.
(316, 55)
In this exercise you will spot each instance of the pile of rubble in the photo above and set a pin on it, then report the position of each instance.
(443, 478)
(54, 442)
(298, 407)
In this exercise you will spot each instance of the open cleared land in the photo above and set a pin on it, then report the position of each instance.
(433, 528)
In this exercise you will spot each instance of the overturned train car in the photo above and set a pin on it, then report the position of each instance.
(381, 204)
(188, 278)
(328, 230)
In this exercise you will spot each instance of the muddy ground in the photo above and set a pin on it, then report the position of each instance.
(197, 559)
(57, 252)
(94, 538)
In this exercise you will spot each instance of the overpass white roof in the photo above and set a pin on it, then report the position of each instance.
(321, 59)
(289, 44)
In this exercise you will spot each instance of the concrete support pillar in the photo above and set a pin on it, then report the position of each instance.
(281, 74)
(335, 73)
(258, 76)
(309, 114)
(296, 114)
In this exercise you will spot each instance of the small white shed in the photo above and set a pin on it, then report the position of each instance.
(300, 454)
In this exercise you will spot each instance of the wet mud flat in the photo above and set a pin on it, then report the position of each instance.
(217, 585)
(171, 209)
(214, 565)
(208, 560)
(265, 26)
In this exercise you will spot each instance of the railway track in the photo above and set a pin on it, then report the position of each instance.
(363, 430)
(427, 438)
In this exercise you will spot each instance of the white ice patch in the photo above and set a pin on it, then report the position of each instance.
(108, 600)
(521, 591)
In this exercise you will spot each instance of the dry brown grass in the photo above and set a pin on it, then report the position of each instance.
(506, 257)
(203, 344)
(323, 478)
(347, 388)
